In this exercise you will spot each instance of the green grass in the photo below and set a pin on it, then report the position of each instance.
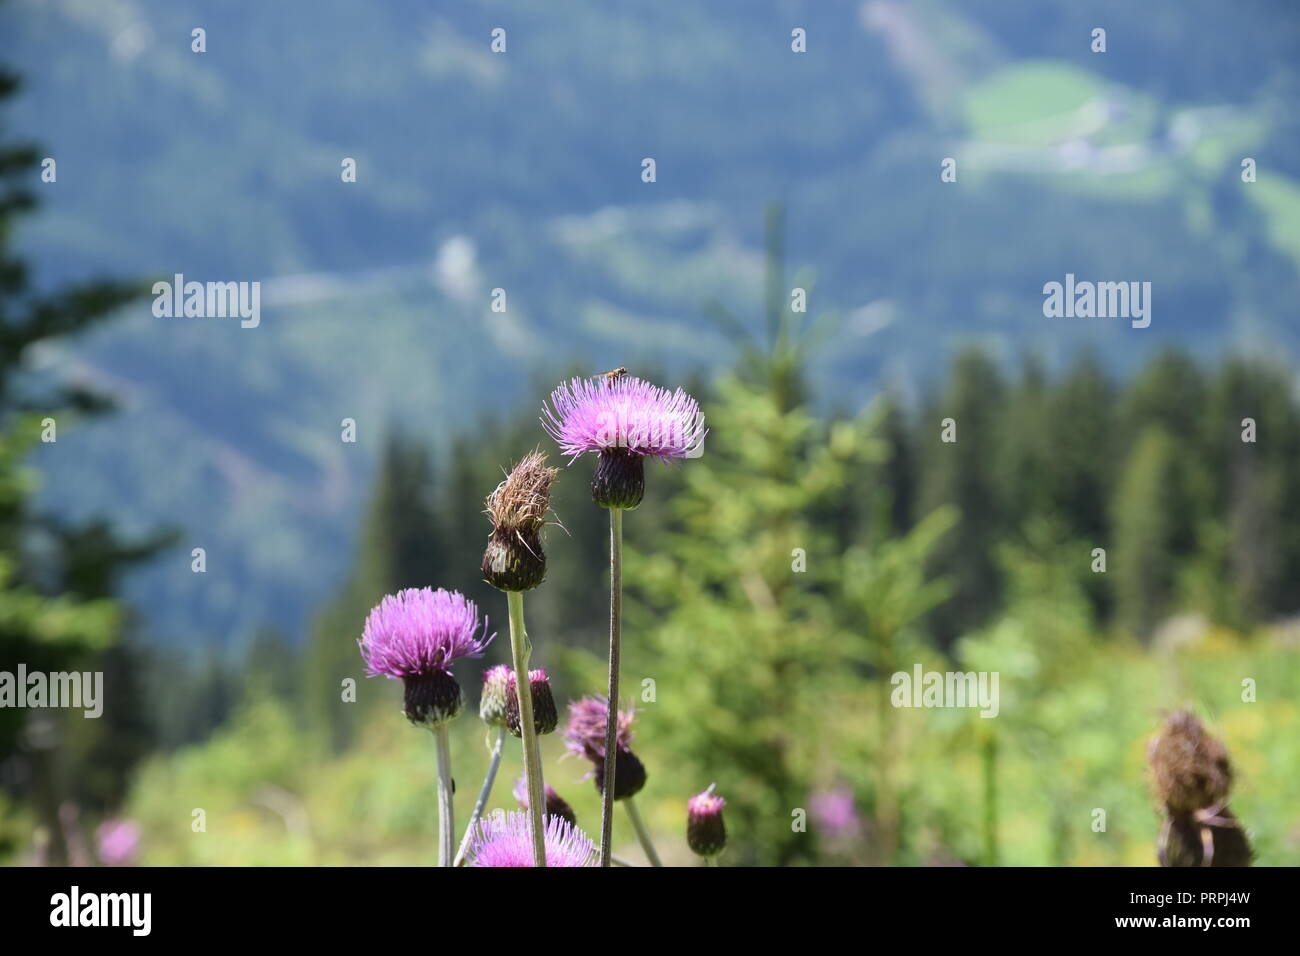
(1034, 103)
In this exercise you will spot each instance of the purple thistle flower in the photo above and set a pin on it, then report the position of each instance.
(584, 735)
(835, 815)
(625, 414)
(504, 839)
(419, 631)
(416, 635)
(118, 842)
(707, 803)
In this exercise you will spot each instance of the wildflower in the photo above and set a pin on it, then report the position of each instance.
(545, 717)
(623, 420)
(503, 839)
(515, 559)
(118, 842)
(556, 805)
(584, 736)
(416, 635)
(835, 815)
(706, 834)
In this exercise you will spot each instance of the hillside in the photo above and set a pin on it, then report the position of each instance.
(522, 171)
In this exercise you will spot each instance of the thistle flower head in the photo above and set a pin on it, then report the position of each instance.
(492, 702)
(1189, 766)
(545, 716)
(118, 842)
(504, 839)
(706, 803)
(416, 635)
(835, 814)
(514, 559)
(418, 631)
(706, 834)
(625, 414)
(556, 805)
(584, 734)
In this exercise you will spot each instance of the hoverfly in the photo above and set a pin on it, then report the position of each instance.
(612, 376)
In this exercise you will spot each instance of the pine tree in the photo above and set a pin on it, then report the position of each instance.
(964, 474)
(1252, 489)
(1146, 506)
(1077, 472)
(56, 612)
(740, 642)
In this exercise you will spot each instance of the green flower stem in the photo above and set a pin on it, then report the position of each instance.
(521, 650)
(642, 833)
(494, 763)
(615, 639)
(989, 779)
(446, 823)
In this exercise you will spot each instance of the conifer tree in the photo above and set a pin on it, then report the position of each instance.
(1146, 503)
(56, 612)
(964, 474)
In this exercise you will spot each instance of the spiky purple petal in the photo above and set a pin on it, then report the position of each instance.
(584, 734)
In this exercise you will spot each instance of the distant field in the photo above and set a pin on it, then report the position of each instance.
(1031, 104)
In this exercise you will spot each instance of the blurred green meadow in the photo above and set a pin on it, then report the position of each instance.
(774, 586)
(1063, 749)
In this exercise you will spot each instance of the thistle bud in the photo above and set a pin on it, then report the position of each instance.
(706, 834)
(545, 716)
(629, 775)
(515, 559)
(432, 699)
(619, 481)
(556, 806)
(492, 702)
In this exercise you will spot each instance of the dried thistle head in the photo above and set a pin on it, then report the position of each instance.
(521, 501)
(514, 559)
(1189, 766)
